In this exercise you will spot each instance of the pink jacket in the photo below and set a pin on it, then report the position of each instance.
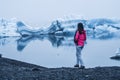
(80, 38)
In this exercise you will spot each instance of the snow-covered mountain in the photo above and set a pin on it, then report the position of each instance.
(95, 28)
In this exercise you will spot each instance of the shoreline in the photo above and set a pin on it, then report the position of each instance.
(16, 70)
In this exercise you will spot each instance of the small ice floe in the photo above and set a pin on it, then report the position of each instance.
(117, 56)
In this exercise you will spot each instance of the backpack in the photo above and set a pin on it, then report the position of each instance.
(75, 41)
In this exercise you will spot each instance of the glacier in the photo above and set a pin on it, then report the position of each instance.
(100, 28)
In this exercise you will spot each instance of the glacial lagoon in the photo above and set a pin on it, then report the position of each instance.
(59, 51)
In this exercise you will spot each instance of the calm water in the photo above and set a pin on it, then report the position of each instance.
(56, 51)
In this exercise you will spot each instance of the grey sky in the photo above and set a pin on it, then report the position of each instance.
(39, 12)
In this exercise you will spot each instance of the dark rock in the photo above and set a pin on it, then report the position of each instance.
(16, 70)
(0, 55)
(35, 69)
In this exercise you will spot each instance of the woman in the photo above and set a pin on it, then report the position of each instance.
(79, 39)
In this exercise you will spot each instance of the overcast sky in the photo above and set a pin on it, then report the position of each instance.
(39, 12)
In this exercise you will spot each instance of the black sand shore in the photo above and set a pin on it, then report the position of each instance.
(16, 70)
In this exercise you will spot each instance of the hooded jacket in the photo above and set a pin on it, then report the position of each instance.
(80, 38)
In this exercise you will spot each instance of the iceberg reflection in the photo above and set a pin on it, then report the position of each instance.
(56, 41)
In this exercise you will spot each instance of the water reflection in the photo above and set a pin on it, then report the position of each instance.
(6, 40)
(56, 41)
(22, 42)
(9, 46)
(3, 41)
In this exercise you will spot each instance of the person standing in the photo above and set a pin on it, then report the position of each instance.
(79, 40)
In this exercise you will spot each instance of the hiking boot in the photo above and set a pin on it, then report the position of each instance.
(82, 67)
(77, 65)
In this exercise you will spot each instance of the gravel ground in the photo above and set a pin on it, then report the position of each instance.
(17, 70)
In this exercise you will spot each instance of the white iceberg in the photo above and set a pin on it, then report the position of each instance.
(25, 31)
(8, 28)
(95, 28)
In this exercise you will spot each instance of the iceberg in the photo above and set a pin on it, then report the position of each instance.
(117, 56)
(96, 28)
(8, 28)
(23, 30)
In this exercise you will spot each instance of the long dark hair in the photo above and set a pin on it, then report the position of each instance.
(80, 28)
